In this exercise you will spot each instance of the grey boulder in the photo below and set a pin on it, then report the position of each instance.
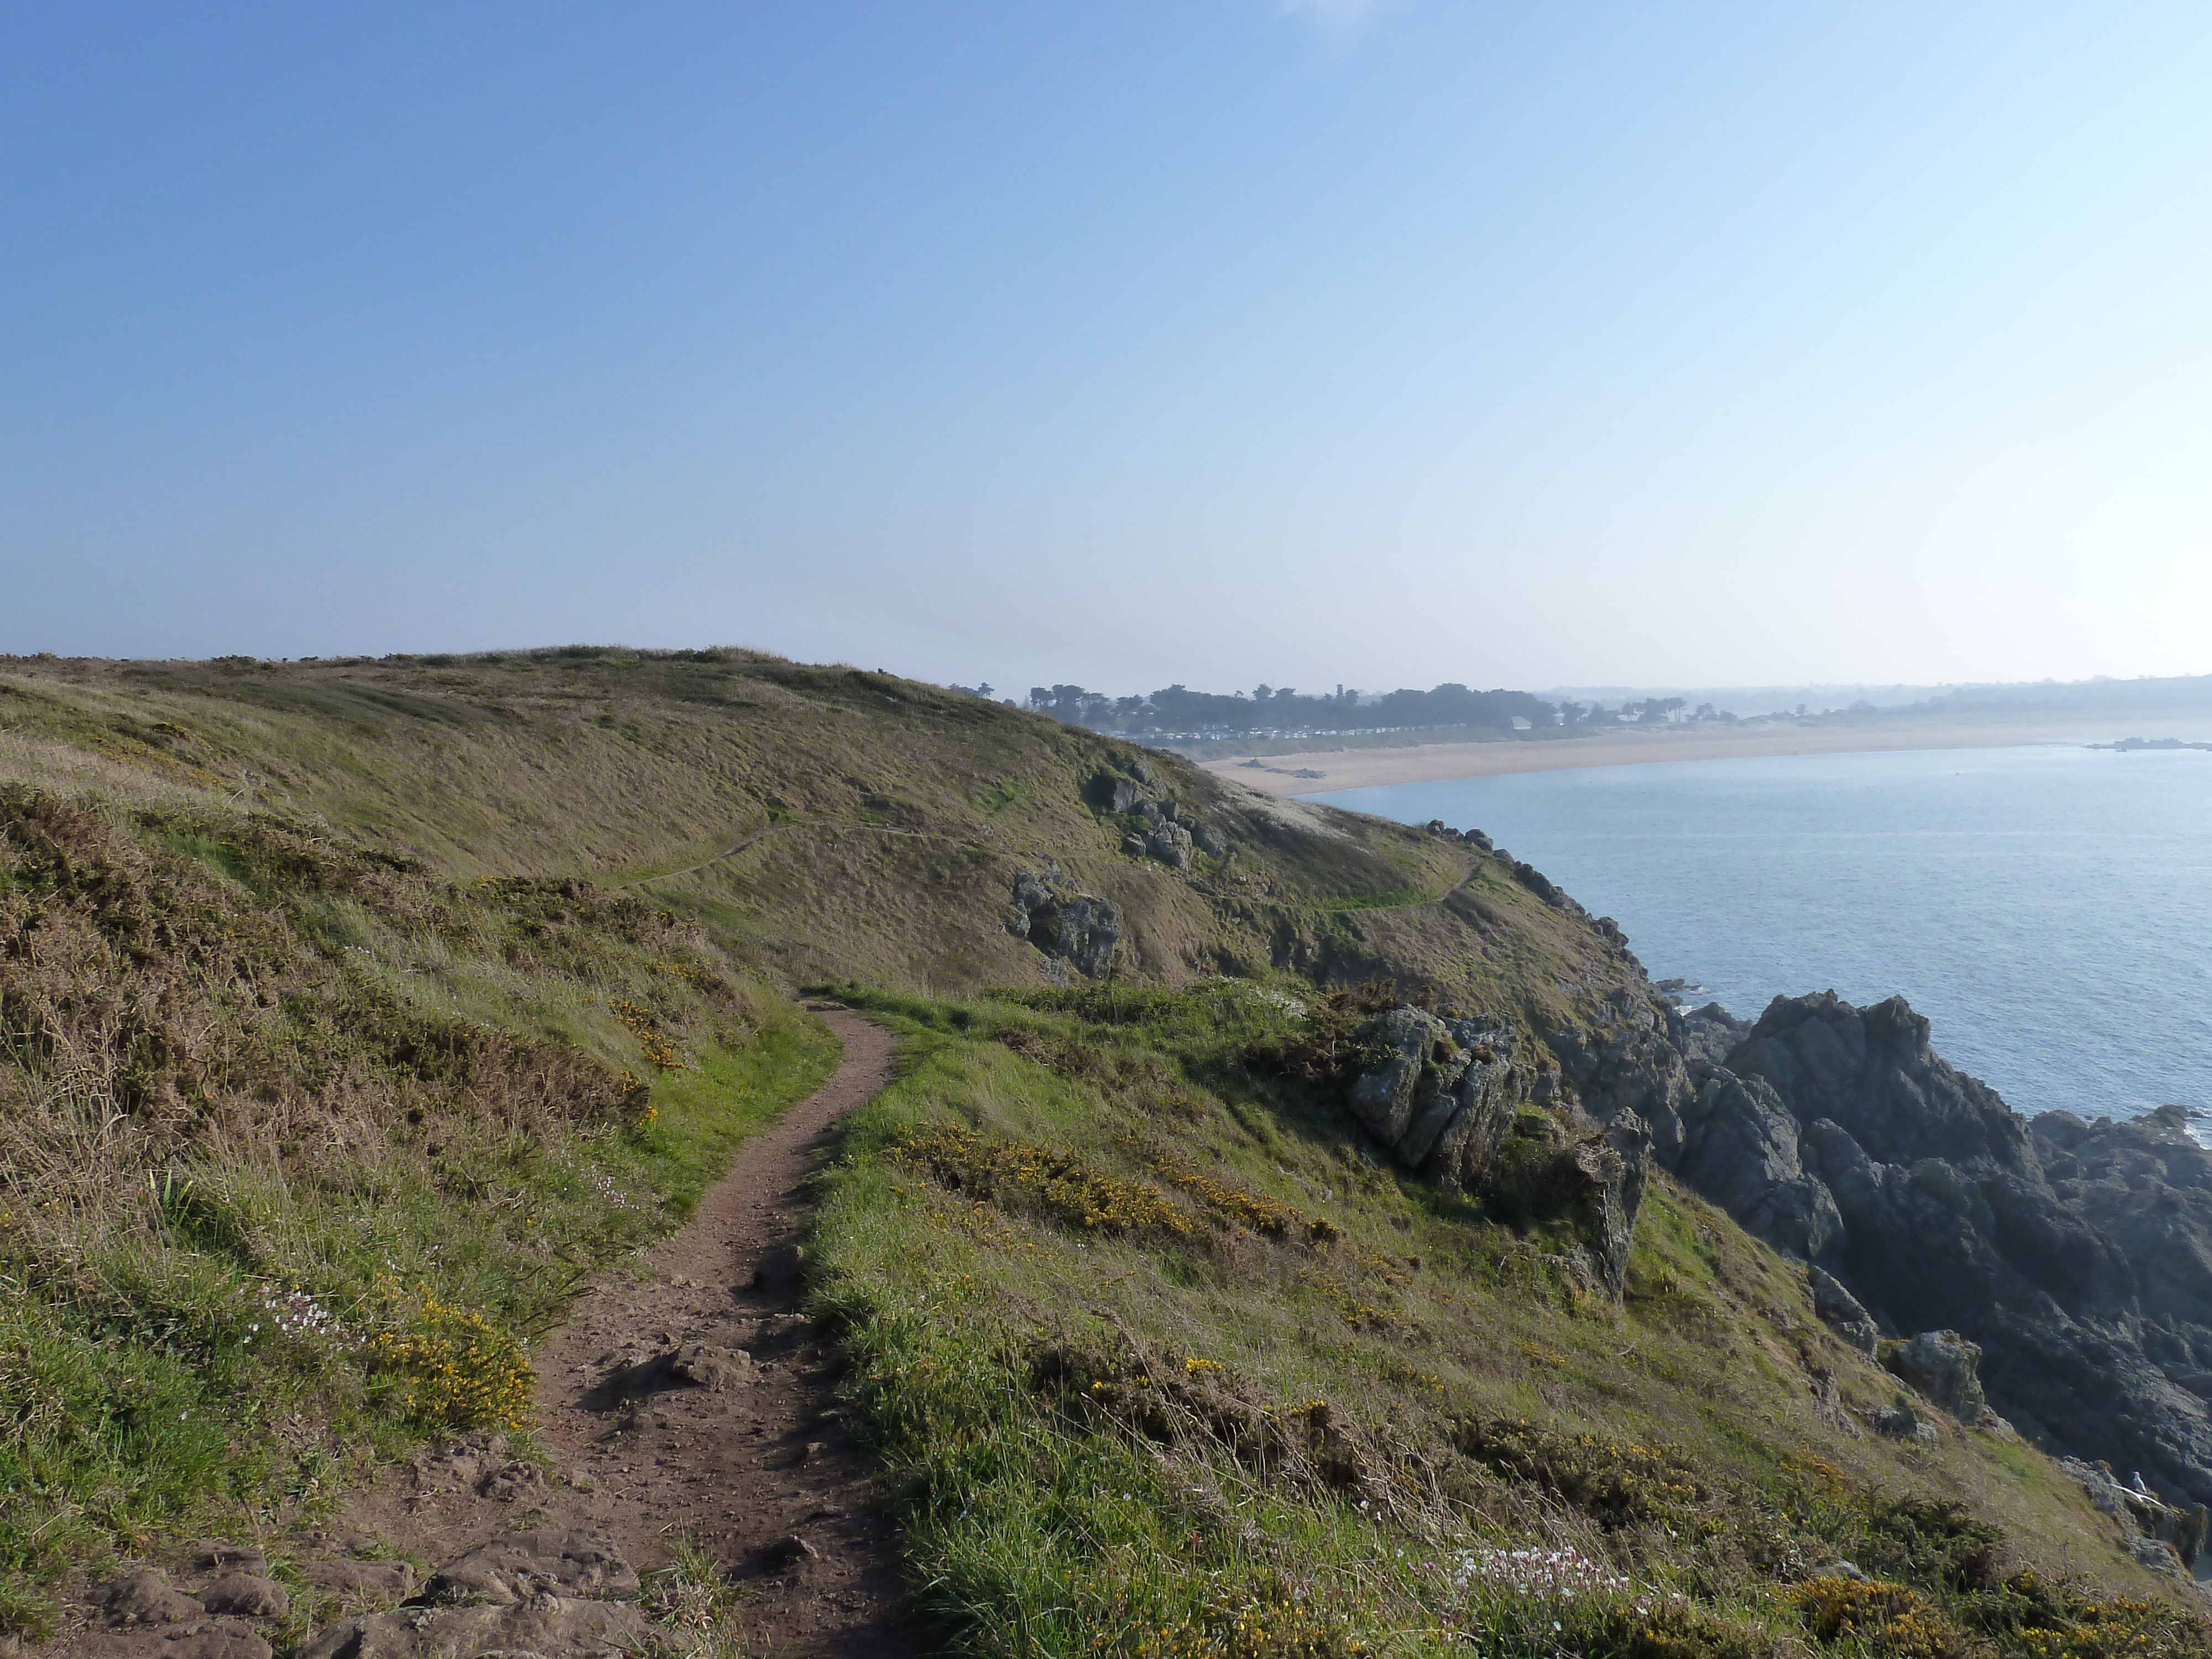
(1943, 1364)
(549, 1627)
(573, 1562)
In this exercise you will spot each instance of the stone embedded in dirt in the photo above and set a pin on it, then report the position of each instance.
(548, 1626)
(779, 1268)
(223, 1639)
(247, 1595)
(395, 1579)
(453, 1473)
(147, 1598)
(704, 1366)
(512, 1480)
(582, 1561)
(460, 1465)
(789, 1551)
(233, 1558)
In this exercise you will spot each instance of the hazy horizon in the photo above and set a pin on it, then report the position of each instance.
(1403, 343)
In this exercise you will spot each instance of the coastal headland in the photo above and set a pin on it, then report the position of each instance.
(1324, 770)
(1230, 1193)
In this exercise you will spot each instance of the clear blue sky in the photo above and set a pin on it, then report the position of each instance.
(1119, 341)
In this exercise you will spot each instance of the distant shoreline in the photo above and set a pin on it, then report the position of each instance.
(1364, 768)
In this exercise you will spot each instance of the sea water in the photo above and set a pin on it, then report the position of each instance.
(2049, 910)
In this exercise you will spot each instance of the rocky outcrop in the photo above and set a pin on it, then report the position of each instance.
(2180, 1530)
(1841, 1312)
(1445, 1095)
(1631, 1065)
(1941, 1364)
(1170, 843)
(1153, 826)
(2146, 1185)
(1076, 927)
(1442, 1092)
(2077, 1257)
(1537, 883)
(1740, 1149)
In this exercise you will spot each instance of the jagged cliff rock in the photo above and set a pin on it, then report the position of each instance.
(2077, 1256)
(1943, 1365)
(1441, 1100)
(1078, 928)
(1448, 1098)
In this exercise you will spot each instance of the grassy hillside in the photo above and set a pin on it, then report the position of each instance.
(353, 1012)
(1171, 1369)
(299, 1143)
(877, 824)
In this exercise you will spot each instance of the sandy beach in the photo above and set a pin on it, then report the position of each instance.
(1358, 769)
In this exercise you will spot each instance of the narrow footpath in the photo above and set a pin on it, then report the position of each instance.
(697, 1405)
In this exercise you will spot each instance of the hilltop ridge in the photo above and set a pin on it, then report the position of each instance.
(742, 789)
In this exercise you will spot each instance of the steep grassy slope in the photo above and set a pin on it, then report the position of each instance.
(880, 823)
(1171, 1368)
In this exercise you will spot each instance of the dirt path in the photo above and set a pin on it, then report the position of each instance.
(753, 1464)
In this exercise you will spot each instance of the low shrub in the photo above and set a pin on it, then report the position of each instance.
(1618, 1483)
(1886, 1618)
(453, 1369)
(1066, 1186)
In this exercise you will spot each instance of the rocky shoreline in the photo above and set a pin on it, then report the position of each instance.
(2051, 1277)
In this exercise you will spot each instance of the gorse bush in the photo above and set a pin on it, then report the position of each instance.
(1878, 1617)
(1061, 1184)
(1617, 1483)
(1270, 1216)
(453, 1369)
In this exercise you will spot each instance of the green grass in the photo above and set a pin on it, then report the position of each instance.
(1395, 899)
(728, 1097)
(298, 1146)
(1138, 1404)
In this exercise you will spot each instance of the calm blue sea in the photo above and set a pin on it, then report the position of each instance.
(2050, 909)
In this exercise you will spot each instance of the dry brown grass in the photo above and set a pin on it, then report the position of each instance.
(883, 821)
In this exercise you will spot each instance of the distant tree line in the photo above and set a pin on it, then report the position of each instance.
(1283, 708)
(1268, 707)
